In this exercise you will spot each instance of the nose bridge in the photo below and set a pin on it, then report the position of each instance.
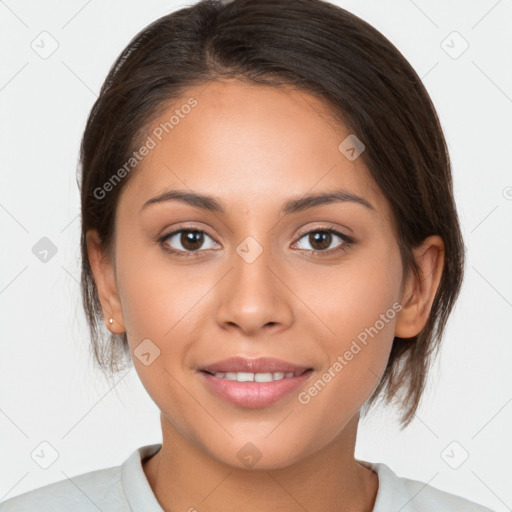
(252, 295)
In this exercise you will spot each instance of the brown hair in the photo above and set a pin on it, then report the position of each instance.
(315, 47)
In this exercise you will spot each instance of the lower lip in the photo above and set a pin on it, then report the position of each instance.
(253, 395)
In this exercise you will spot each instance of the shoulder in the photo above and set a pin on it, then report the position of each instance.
(121, 488)
(93, 491)
(408, 495)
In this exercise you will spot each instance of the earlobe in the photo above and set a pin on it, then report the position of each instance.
(104, 277)
(419, 294)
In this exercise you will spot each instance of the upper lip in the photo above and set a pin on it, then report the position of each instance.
(252, 365)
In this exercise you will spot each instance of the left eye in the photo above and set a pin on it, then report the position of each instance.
(322, 239)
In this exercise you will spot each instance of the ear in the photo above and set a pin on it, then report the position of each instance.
(104, 276)
(418, 295)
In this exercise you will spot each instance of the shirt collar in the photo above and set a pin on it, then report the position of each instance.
(140, 496)
(136, 487)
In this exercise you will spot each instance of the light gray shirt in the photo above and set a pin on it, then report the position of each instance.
(125, 488)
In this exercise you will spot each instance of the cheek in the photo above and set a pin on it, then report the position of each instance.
(356, 357)
(161, 305)
(360, 306)
(152, 292)
(143, 300)
(352, 297)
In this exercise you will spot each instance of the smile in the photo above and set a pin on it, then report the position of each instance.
(256, 377)
(254, 390)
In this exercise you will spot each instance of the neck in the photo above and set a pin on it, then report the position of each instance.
(183, 477)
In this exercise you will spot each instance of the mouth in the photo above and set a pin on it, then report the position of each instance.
(257, 377)
(253, 383)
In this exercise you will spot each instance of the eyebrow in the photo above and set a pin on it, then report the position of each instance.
(212, 204)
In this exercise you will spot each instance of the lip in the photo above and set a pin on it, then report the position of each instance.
(253, 395)
(254, 365)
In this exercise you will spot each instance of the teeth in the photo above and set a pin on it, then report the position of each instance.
(256, 377)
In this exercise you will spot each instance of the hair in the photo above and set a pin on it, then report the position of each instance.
(320, 49)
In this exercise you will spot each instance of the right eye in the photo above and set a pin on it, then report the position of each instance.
(184, 242)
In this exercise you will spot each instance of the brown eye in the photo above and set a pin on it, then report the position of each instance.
(186, 240)
(191, 240)
(320, 240)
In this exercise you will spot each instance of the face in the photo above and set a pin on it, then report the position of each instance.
(195, 286)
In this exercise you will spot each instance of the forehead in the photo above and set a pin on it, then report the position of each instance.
(246, 142)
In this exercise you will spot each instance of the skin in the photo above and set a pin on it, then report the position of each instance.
(255, 147)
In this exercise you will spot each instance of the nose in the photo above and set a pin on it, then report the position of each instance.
(254, 297)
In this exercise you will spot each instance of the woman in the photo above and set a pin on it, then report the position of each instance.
(269, 234)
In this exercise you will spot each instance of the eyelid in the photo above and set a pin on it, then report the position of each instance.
(185, 227)
(324, 226)
(302, 232)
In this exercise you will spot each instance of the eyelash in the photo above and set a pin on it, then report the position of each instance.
(347, 242)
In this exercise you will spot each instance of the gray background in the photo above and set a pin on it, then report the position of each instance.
(49, 389)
